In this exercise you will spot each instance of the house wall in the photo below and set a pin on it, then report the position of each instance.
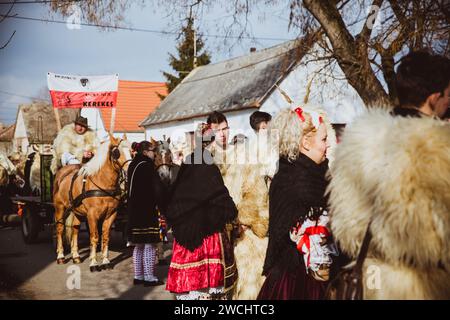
(6, 147)
(95, 122)
(238, 122)
(20, 140)
(339, 99)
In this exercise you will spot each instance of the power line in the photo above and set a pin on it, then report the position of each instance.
(141, 29)
(8, 105)
(23, 96)
(38, 1)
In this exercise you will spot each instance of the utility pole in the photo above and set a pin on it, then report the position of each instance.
(192, 17)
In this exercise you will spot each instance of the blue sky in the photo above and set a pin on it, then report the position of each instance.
(41, 47)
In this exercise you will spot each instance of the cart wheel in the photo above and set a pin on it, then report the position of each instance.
(30, 226)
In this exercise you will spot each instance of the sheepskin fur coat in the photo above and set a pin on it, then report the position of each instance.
(248, 187)
(6, 169)
(68, 140)
(395, 172)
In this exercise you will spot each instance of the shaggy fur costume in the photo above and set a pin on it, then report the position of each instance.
(68, 140)
(6, 169)
(395, 172)
(249, 191)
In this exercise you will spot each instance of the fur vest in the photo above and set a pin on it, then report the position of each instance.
(68, 140)
(245, 179)
(395, 172)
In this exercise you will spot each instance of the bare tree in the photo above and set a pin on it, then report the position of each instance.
(363, 52)
(365, 38)
(3, 19)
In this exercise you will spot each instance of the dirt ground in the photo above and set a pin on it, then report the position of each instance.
(29, 271)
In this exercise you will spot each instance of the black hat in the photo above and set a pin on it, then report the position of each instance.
(82, 121)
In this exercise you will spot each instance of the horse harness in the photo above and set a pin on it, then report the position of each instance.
(75, 203)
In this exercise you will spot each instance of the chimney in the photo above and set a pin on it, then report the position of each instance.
(252, 49)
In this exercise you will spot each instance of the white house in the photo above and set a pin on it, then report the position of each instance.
(242, 85)
(36, 126)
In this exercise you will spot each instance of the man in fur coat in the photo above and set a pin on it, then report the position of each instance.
(243, 181)
(74, 144)
(392, 172)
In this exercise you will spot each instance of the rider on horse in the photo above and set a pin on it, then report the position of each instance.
(74, 144)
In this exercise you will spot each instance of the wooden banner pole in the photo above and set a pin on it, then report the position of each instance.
(58, 120)
(113, 119)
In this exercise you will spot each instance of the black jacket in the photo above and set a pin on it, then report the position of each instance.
(407, 112)
(295, 189)
(146, 194)
(200, 204)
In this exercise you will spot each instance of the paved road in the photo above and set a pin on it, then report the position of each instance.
(30, 272)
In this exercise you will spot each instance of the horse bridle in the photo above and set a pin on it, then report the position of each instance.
(114, 155)
(169, 165)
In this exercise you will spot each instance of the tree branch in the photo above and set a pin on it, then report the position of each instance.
(351, 56)
(6, 44)
(366, 31)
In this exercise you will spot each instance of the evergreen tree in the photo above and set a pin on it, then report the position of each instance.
(184, 63)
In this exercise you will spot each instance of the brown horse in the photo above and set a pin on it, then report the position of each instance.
(164, 165)
(99, 181)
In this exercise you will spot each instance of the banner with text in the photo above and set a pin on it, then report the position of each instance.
(69, 91)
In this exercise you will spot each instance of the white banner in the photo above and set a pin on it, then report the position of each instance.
(69, 91)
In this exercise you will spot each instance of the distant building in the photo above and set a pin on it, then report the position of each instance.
(36, 127)
(6, 139)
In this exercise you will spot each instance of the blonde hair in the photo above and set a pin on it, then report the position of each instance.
(290, 132)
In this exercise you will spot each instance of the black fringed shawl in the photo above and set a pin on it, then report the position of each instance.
(295, 188)
(200, 204)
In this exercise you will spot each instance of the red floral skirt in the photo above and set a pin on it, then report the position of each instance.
(199, 269)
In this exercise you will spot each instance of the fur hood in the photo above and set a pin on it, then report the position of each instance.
(394, 171)
(68, 140)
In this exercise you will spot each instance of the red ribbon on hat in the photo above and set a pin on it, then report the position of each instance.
(299, 112)
(307, 242)
(320, 120)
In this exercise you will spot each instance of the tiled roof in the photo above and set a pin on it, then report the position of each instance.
(135, 101)
(235, 84)
(7, 134)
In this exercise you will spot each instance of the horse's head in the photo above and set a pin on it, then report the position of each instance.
(119, 152)
(163, 161)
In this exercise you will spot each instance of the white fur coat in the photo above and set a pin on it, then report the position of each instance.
(68, 140)
(246, 184)
(395, 172)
